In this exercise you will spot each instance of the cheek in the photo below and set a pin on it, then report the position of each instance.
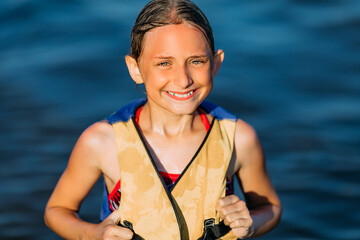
(159, 76)
(155, 79)
(202, 75)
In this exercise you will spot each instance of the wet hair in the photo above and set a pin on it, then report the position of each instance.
(158, 13)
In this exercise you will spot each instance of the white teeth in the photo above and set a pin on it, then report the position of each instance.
(181, 95)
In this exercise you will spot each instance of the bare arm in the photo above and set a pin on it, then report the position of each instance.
(262, 210)
(82, 172)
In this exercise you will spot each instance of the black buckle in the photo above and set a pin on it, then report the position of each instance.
(128, 225)
(208, 223)
(214, 231)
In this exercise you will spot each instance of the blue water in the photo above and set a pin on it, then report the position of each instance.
(292, 70)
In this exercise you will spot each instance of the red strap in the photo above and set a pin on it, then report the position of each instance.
(116, 188)
(203, 117)
(137, 115)
(172, 176)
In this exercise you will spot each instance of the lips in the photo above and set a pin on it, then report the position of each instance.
(181, 95)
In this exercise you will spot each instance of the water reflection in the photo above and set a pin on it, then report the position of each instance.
(291, 69)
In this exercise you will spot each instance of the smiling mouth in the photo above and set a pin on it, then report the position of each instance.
(181, 96)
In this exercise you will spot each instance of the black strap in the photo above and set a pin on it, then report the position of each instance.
(214, 231)
(129, 225)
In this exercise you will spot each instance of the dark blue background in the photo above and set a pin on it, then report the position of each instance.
(291, 70)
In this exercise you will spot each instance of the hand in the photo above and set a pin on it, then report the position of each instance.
(109, 230)
(236, 215)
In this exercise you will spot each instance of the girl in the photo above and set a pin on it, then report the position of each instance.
(167, 159)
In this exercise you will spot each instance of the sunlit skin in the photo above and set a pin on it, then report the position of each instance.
(178, 63)
(177, 68)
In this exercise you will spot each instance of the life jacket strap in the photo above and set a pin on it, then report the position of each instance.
(214, 231)
(129, 225)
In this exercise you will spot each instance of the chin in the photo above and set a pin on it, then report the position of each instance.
(184, 110)
(186, 107)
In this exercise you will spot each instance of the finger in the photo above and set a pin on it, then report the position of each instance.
(241, 223)
(241, 232)
(237, 207)
(238, 219)
(226, 201)
(124, 233)
(242, 227)
(117, 232)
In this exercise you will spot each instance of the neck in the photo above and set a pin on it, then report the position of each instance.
(161, 121)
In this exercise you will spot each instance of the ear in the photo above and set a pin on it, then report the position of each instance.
(134, 70)
(218, 59)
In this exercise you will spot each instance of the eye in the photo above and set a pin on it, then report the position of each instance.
(196, 62)
(164, 64)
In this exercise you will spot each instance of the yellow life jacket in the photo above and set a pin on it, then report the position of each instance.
(187, 211)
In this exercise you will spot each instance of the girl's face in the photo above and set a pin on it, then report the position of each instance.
(176, 66)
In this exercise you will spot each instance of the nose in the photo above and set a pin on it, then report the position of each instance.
(183, 78)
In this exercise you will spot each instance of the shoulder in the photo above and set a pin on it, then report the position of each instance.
(245, 135)
(248, 149)
(94, 145)
(97, 134)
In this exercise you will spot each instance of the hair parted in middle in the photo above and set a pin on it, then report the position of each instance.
(159, 13)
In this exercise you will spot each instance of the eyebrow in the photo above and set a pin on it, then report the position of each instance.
(170, 57)
(164, 57)
(199, 56)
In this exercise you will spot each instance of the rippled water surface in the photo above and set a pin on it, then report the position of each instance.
(292, 70)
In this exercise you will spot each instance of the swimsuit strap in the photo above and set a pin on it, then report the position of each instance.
(203, 117)
(137, 115)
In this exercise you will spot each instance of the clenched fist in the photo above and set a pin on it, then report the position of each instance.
(236, 215)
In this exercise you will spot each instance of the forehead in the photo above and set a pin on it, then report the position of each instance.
(175, 39)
